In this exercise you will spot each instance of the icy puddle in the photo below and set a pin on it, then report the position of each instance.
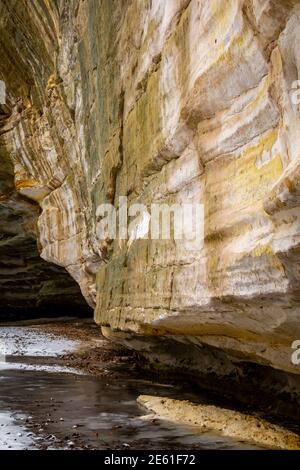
(54, 407)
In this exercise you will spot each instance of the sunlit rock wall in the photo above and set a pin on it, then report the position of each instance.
(166, 101)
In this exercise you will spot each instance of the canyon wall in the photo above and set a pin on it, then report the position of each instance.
(29, 286)
(166, 101)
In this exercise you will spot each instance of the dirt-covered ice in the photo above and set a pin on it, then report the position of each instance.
(18, 341)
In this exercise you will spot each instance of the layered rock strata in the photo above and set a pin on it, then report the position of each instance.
(29, 286)
(166, 102)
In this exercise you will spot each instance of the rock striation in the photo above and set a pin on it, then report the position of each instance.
(167, 102)
(29, 286)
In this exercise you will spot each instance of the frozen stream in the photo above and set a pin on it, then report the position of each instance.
(49, 406)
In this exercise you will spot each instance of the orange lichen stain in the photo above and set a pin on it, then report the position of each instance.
(28, 183)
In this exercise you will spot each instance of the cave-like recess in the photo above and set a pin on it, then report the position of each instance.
(29, 286)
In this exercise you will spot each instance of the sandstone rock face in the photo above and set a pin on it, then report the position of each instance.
(29, 286)
(166, 101)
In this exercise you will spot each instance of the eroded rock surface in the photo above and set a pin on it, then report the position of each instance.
(29, 286)
(166, 101)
